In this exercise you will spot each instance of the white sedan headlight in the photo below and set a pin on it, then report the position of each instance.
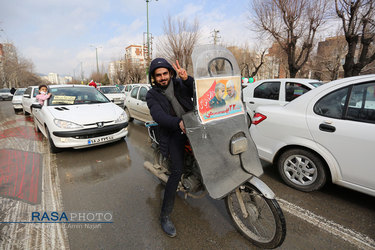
(66, 124)
(122, 118)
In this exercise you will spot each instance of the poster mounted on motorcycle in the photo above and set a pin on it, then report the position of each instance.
(218, 97)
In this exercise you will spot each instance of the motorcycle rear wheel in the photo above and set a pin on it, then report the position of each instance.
(265, 224)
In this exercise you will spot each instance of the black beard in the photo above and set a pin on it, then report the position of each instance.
(163, 87)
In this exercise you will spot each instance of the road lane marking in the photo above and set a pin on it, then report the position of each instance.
(360, 240)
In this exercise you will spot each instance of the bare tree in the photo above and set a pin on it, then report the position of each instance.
(293, 24)
(179, 41)
(16, 71)
(358, 22)
(249, 61)
(119, 75)
(135, 72)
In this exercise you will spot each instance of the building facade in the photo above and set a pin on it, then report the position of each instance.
(136, 54)
(53, 78)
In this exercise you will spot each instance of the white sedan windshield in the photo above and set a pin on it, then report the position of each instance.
(74, 96)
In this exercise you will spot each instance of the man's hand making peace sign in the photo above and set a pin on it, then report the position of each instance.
(181, 72)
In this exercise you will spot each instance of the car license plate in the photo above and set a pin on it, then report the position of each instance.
(99, 140)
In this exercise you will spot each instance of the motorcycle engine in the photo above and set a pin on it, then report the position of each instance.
(191, 183)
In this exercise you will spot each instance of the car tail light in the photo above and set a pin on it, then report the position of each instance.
(258, 118)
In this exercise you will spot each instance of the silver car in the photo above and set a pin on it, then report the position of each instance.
(5, 94)
(135, 104)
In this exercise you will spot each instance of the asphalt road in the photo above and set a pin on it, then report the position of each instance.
(111, 179)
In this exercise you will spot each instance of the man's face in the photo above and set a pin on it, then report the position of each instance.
(162, 76)
(230, 91)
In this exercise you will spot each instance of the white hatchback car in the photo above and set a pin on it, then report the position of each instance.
(17, 99)
(77, 116)
(113, 93)
(326, 134)
(275, 91)
(29, 98)
(135, 104)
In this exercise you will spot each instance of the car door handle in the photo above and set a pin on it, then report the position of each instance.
(327, 128)
(251, 102)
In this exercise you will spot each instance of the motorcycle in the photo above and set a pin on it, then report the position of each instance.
(221, 159)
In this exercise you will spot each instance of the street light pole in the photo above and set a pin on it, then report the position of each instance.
(148, 38)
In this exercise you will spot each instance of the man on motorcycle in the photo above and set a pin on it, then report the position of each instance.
(168, 99)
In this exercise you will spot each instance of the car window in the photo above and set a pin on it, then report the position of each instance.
(134, 92)
(75, 96)
(19, 92)
(316, 84)
(332, 104)
(36, 92)
(268, 90)
(361, 106)
(294, 90)
(142, 94)
(28, 91)
(110, 90)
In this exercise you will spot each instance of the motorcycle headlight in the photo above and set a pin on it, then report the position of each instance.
(122, 118)
(66, 124)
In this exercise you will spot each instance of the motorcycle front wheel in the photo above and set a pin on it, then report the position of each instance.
(257, 218)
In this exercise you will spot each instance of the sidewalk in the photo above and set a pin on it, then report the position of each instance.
(28, 183)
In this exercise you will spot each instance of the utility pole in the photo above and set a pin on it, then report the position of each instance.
(97, 61)
(97, 64)
(215, 36)
(148, 40)
(81, 74)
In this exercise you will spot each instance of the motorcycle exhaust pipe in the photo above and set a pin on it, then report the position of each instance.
(156, 170)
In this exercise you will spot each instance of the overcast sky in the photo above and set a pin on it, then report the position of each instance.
(56, 34)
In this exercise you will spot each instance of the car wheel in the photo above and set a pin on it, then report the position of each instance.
(302, 170)
(25, 112)
(128, 114)
(52, 146)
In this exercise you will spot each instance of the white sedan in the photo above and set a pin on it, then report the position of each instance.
(113, 94)
(275, 91)
(17, 99)
(326, 134)
(77, 116)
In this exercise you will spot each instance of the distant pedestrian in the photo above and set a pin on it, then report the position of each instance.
(12, 90)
